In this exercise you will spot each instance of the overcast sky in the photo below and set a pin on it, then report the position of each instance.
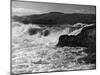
(41, 7)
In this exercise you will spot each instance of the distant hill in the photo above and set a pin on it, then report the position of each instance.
(56, 18)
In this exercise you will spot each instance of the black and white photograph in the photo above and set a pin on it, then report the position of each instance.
(52, 37)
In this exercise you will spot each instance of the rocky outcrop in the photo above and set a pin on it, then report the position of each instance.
(86, 38)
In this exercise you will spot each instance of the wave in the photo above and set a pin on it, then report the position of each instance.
(38, 53)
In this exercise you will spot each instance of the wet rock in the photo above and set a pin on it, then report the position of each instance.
(86, 38)
(46, 32)
(33, 31)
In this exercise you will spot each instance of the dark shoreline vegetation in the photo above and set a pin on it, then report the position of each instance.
(57, 18)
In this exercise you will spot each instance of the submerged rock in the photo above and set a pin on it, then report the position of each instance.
(33, 31)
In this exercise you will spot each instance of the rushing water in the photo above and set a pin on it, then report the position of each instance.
(38, 53)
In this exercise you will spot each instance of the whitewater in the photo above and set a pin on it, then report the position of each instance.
(38, 53)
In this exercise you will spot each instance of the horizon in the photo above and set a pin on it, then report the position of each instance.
(43, 7)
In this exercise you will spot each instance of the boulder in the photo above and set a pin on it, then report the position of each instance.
(33, 31)
(86, 38)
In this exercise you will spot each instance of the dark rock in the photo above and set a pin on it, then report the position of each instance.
(46, 33)
(33, 31)
(86, 38)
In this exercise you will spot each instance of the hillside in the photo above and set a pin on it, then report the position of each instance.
(56, 18)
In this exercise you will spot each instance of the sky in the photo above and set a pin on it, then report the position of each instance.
(41, 7)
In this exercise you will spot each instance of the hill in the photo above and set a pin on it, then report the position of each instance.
(56, 18)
